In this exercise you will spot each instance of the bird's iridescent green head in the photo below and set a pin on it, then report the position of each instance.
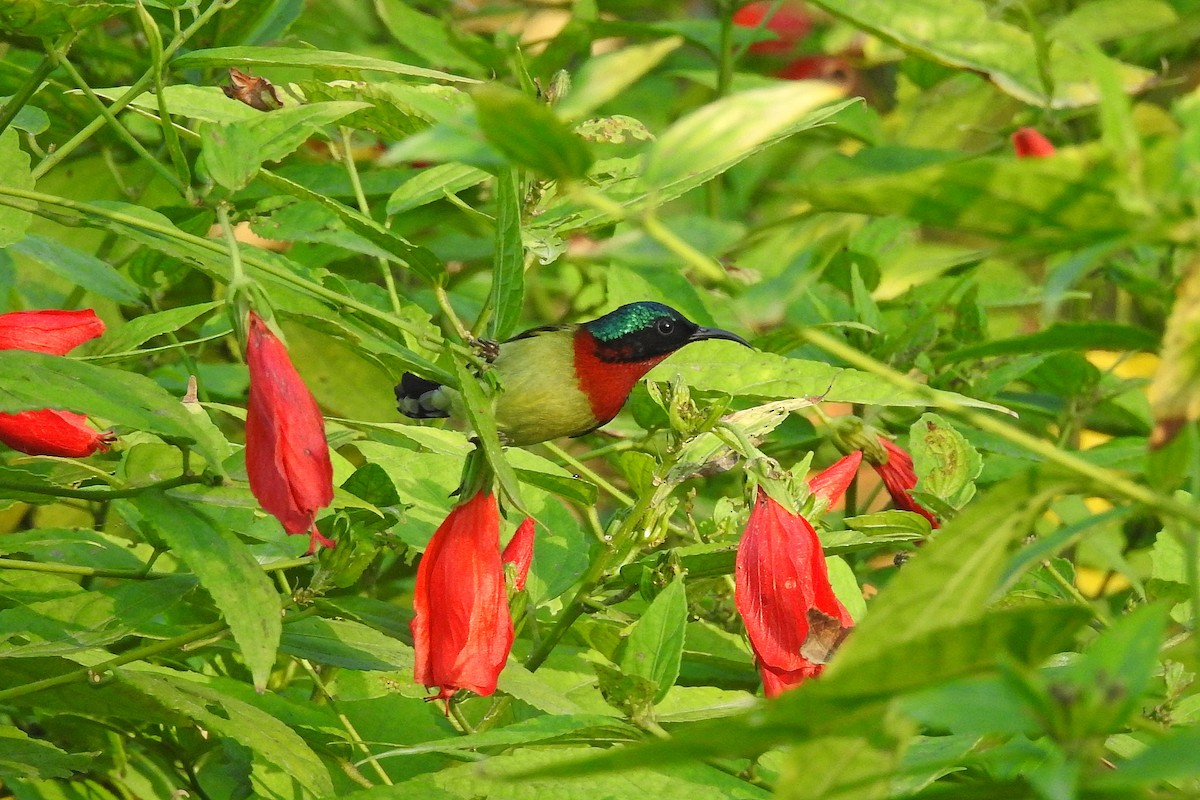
(647, 330)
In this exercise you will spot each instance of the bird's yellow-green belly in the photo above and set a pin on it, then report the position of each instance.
(540, 397)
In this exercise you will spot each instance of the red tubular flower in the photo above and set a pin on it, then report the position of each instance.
(287, 455)
(1029, 143)
(462, 631)
(898, 476)
(50, 331)
(780, 581)
(47, 432)
(790, 24)
(832, 482)
(519, 551)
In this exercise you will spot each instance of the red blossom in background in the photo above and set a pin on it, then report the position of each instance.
(462, 631)
(790, 24)
(899, 477)
(287, 455)
(50, 432)
(1029, 143)
(780, 578)
(519, 552)
(48, 331)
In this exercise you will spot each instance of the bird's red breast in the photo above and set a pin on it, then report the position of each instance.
(604, 378)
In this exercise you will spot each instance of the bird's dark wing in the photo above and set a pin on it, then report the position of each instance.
(544, 329)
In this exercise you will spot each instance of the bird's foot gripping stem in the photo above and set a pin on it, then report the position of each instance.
(488, 349)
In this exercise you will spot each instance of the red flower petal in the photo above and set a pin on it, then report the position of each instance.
(50, 331)
(832, 482)
(898, 477)
(519, 551)
(462, 631)
(780, 574)
(287, 455)
(1029, 143)
(47, 432)
(789, 23)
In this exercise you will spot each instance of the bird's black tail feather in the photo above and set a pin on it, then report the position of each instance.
(419, 397)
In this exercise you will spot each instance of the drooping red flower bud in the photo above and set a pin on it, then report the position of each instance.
(519, 551)
(47, 432)
(48, 331)
(1029, 143)
(832, 482)
(783, 593)
(287, 455)
(462, 631)
(790, 24)
(898, 476)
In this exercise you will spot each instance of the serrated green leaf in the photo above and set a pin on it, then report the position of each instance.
(478, 409)
(654, 648)
(529, 134)
(556, 728)
(227, 571)
(140, 329)
(234, 152)
(945, 462)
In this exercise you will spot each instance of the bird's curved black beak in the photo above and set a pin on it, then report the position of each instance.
(703, 333)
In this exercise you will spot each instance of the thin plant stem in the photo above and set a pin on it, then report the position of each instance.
(589, 473)
(355, 738)
(30, 87)
(360, 197)
(99, 494)
(127, 574)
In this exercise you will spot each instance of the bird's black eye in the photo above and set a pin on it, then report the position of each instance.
(665, 326)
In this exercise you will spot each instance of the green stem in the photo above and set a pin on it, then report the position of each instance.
(1046, 450)
(360, 197)
(355, 738)
(28, 89)
(99, 494)
(587, 472)
(134, 91)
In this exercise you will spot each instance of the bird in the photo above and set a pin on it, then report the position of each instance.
(568, 380)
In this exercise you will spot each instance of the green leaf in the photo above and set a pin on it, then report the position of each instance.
(345, 643)
(426, 35)
(508, 263)
(327, 61)
(34, 759)
(268, 739)
(431, 184)
(870, 530)
(234, 152)
(227, 571)
(603, 77)
(654, 648)
(945, 462)
(49, 18)
(529, 134)
(141, 329)
(720, 134)
(727, 368)
(15, 174)
(1174, 757)
(967, 35)
(35, 380)
(82, 269)
(838, 768)
(89, 619)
